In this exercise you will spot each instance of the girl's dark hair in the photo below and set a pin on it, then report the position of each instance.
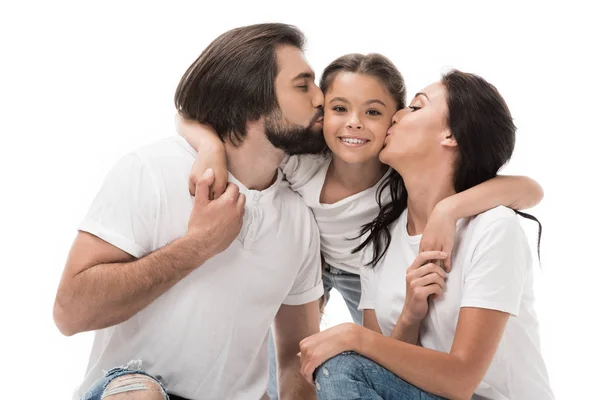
(374, 65)
(482, 125)
(233, 80)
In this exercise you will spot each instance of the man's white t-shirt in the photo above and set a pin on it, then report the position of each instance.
(206, 337)
(339, 223)
(492, 269)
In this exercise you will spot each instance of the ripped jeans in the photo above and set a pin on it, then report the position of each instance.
(129, 378)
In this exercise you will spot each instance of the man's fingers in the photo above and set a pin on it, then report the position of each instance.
(202, 185)
(241, 203)
(231, 194)
(218, 188)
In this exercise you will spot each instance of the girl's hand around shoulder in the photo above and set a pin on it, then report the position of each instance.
(439, 233)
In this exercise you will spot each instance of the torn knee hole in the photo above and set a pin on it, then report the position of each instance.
(132, 383)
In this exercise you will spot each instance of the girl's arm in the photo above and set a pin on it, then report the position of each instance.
(211, 154)
(516, 192)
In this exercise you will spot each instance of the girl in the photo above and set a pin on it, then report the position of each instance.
(468, 332)
(344, 186)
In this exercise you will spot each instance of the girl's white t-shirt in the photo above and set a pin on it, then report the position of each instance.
(339, 223)
(492, 269)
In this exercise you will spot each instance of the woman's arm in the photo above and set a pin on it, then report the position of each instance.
(211, 154)
(455, 375)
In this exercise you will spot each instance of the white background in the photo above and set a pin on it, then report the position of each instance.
(83, 83)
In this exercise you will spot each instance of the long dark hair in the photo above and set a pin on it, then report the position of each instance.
(233, 80)
(374, 65)
(482, 125)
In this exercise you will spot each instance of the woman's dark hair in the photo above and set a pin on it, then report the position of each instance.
(482, 125)
(374, 65)
(233, 80)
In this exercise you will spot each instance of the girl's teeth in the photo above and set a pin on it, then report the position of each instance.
(353, 141)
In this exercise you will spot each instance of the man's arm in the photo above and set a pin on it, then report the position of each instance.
(293, 324)
(103, 285)
(370, 321)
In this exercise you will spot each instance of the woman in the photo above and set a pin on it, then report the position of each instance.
(471, 331)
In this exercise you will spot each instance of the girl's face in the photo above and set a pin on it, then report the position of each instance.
(358, 113)
(419, 134)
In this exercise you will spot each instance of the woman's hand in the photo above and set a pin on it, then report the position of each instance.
(423, 279)
(439, 232)
(320, 347)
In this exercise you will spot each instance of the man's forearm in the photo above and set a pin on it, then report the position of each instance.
(292, 385)
(107, 294)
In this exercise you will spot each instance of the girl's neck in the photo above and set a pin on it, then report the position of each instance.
(355, 177)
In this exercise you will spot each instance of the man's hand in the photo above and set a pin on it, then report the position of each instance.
(211, 154)
(214, 224)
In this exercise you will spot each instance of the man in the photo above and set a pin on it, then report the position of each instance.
(182, 290)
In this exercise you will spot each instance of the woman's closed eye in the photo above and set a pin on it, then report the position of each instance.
(414, 108)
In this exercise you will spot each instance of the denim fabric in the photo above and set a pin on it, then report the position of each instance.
(350, 376)
(348, 285)
(96, 391)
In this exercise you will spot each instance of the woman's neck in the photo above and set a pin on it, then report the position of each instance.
(426, 188)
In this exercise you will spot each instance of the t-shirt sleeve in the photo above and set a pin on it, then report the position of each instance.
(496, 277)
(308, 285)
(299, 169)
(124, 211)
(368, 286)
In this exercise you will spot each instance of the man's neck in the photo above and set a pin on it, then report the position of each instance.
(254, 163)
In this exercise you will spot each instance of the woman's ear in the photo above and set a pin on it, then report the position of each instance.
(449, 140)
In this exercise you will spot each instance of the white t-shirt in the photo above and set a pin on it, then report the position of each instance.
(207, 335)
(492, 269)
(339, 222)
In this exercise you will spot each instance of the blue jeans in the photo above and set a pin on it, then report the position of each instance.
(99, 390)
(348, 285)
(350, 376)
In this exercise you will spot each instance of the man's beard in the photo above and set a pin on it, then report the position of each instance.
(293, 138)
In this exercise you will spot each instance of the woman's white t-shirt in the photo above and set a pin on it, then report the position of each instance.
(339, 223)
(492, 269)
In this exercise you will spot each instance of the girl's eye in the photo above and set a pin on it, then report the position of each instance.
(339, 108)
(373, 112)
(414, 108)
